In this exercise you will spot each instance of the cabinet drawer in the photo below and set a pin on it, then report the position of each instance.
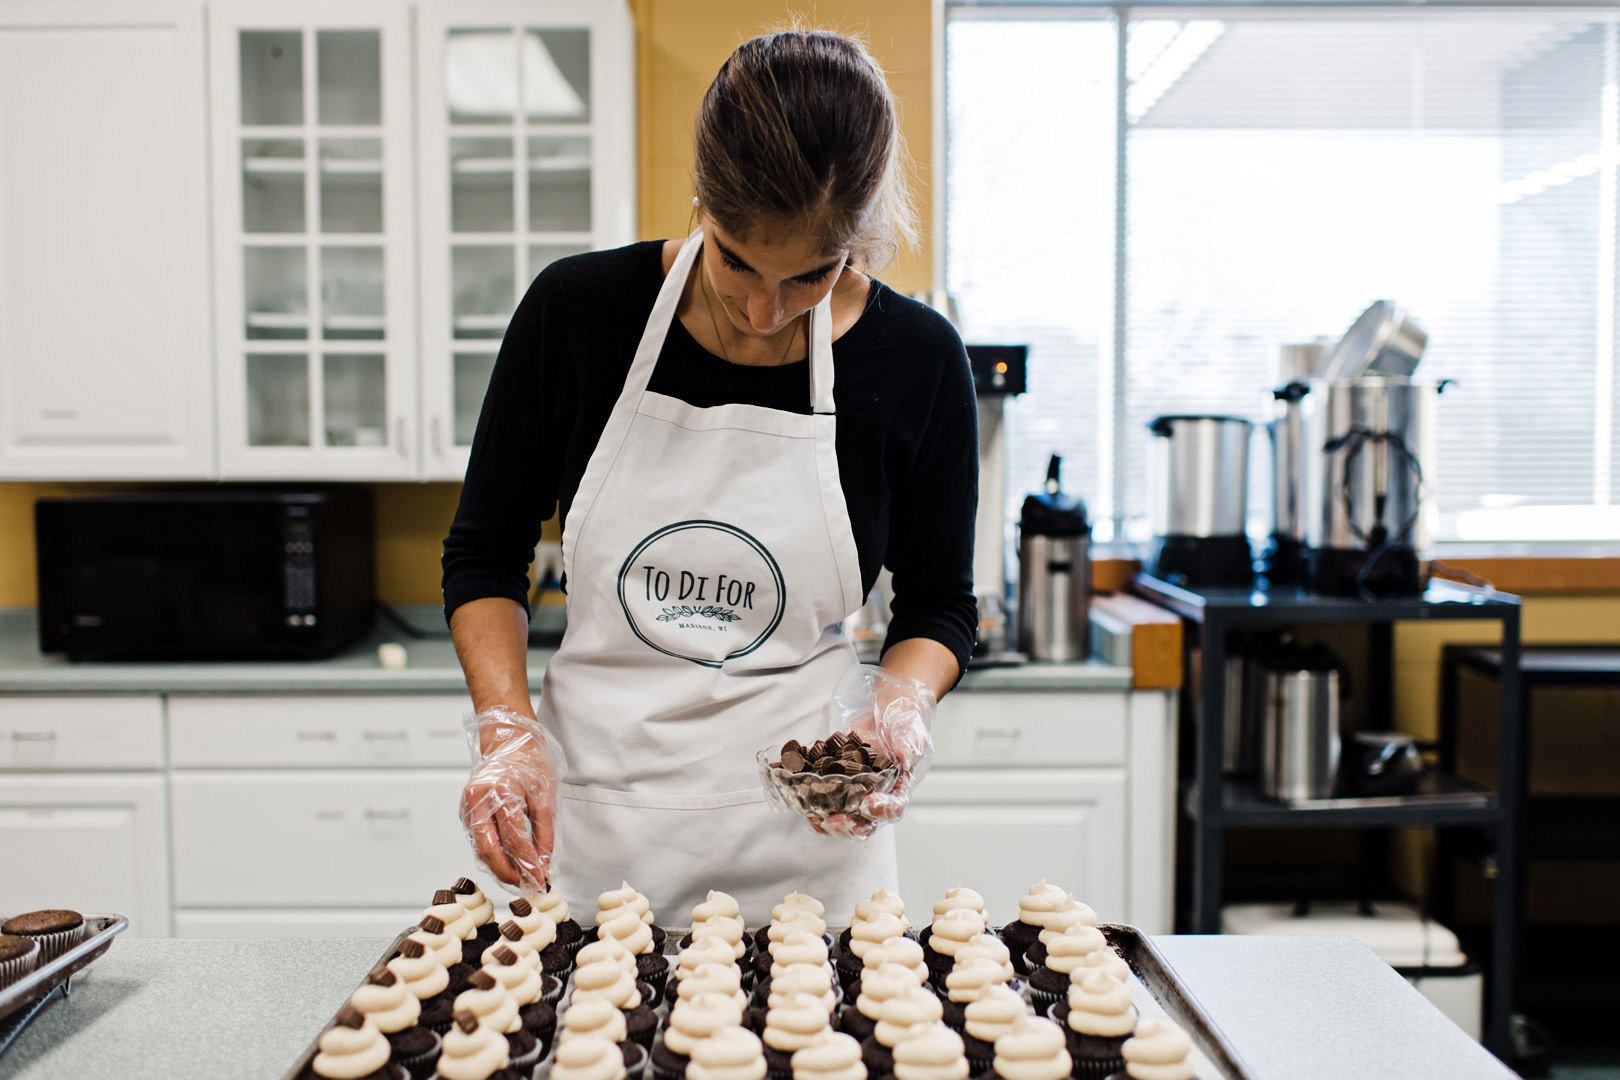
(1030, 729)
(328, 731)
(41, 732)
(295, 923)
(317, 839)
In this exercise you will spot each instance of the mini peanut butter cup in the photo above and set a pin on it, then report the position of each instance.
(511, 931)
(432, 924)
(350, 1017)
(444, 896)
(481, 980)
(412, 949)
(521, 908)
(504, 956)
(465, 886)
(466, 1020)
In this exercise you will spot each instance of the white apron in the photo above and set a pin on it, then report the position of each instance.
(710, 562)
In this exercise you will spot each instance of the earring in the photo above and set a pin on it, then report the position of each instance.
(694, 202)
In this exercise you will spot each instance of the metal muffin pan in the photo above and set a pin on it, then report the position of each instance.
(99, 930)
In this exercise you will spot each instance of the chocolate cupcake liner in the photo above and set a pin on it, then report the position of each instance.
(18, 966)
(53, 945)
(1097, 1070)
(1043, 1000)
(528, 1061)
(665, 1074)
(1058, 1013)
(635, 1059)
(1034, 956)
(420, 1065)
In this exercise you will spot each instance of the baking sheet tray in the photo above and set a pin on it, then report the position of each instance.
(1155, 988)
(99, 932)
(308, 1054)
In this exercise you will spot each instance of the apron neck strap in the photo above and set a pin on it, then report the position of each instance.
(821, 358)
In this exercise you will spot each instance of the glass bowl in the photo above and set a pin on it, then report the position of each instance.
(810, 794)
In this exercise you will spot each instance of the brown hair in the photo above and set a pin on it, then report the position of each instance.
(801, 127)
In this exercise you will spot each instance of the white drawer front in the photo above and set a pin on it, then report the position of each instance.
(42, 732)
(1030, 729)
(317, 839)
(326, 731)
(302, 923)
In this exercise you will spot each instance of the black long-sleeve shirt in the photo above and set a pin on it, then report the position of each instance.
(907, 439)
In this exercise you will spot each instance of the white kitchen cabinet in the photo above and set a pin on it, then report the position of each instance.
(48, 733)
(314, 240)
(104, 283)
(526, 140)
(1000, 830)
(318, 731)
(97, 844)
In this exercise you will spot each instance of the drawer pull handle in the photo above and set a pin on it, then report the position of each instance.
(33, 736)
(329, 815)
(378, 736)
(386, 815)
(317, 736)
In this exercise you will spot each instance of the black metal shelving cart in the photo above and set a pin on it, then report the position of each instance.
(1215, 804)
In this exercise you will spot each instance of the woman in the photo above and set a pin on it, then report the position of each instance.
(740, 429)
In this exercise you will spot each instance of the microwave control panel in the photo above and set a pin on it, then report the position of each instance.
(298, 562)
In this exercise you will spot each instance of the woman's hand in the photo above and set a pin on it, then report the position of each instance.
(894, 713)
(509, 806)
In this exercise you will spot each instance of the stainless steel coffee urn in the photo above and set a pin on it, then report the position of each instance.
(1299, 724)
(1199, 499)
(1054, 573)
(1283, 562)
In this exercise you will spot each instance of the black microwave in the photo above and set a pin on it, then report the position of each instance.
(220, 573)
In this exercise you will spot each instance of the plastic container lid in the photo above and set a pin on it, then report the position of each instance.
(1398, 933)
(1051, 512)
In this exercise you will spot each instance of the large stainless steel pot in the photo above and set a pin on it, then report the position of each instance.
(1199, 472)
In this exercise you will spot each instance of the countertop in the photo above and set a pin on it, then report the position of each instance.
(432, 668)
(1295, 1008)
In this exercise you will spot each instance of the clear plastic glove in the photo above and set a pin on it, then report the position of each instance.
(509, 806)
(894, 713)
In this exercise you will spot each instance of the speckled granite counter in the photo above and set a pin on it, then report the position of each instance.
(433, 668)
(1296, 1008)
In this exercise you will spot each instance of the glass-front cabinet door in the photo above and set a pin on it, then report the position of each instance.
(315, 259)
(526, 157)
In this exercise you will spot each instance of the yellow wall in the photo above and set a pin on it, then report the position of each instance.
(680, 44)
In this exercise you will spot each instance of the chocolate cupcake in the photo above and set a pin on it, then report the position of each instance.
(477, 1049)
(1066, 955)
(864, 935)
(903, 952)
(523, 1049)
(415, 1049)
(1071, 913)
(540, 1019)
(1161, 1049)
(999, 1011)
(951, 930)
(729, 1052)
(569, 934)
(930, 1052)
(353, 1049)
(641, 1024)
(809, 979)
(969, 981)
(490, 1002)
(421, 972)
(1034, 909)
(854, 1023)
(1035, 1048)
(18, 957)
(54, 930)
(691, 1021)
(795, 1022)
(1098, 1018)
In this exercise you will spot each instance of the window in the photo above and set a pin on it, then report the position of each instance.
(1285, 166)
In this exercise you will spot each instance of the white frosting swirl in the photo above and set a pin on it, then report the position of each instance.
(551, 904)
(457, 919)
(809, 979)
(836, 1057)
(587, 1057)
(881, 984)
(885, 902)
(798, 901)
(902, 951)
(696, 1018)
(726, 929)
(995, 1014)
(1037, 906)
(716, 905)
(899, 1015)
(1073, 914)
(479, 906)
(930, 1052)
(1159, 1051)
(1101, 1005)
(704, 950)
(864, 934)
(495, 1008)
(345, 1053)
(521, 948)
(798, 948)
(606, 950)
(443, 945)
(391, 1008)
(519, 979)
(609, 903)
(608, 981)
(732, 1053)
(987, 947)
(795, 1023)
(722, 978)
(958, 899)
(625, 926)
(800, 921)
(953, 928)
(423, 976)
(592, 1016)
(970, 980)
(1067, 952)
(1106, 961)
(1034, 1050)
(472, 1055)
(538, 929)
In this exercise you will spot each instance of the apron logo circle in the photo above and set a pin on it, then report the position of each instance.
(703, 591)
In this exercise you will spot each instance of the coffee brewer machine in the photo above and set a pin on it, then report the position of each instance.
(998, 373)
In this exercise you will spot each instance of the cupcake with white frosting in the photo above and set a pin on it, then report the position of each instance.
(482, 910)
(719, 915)
(494, 1006)
(569, 934)
(425, 979)
(903, 951)
(1159, 1050)
(691, 1020)
(989, 947)
(795, 1022)
(1106, 961)
(930, 1052)
(950, 930)
(883, 902)
(589, 1057)
(610, 981)
(1065, 954)
(624, 925)
(1034, 907)
(1072, 913)
(625, 899)
(967, 982)
(596, 1018)
(732, 1053)
(896, 1017)
(1097, 1017)
(383, 1000)
(795, 923)
(999, 1011)
(1034, 1050)
(837, 1057)
(798, 947)
(864, 935)
(474, 1051)
(353, 1049)
(809, 979)
(792, 906)
(877, 986)
(711, 978)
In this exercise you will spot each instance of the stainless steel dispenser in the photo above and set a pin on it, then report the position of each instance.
(1199, 477)
(1299, 724)
(1054, 573)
